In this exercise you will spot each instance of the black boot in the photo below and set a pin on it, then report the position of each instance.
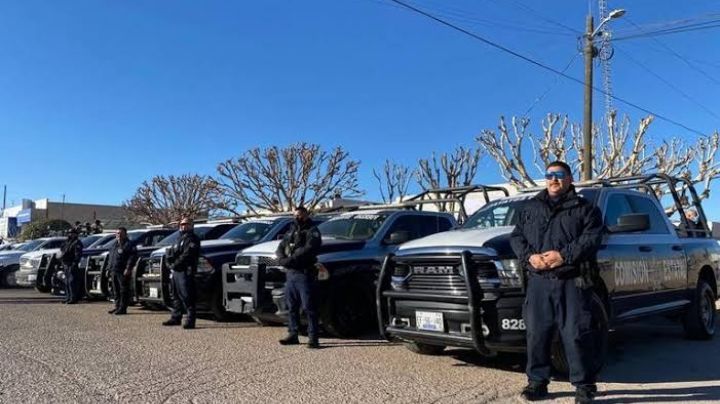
(534, 392)
(189, 325)
(585, 394)
(171, 322)
(291, 339)
(112, 311)
(313, 343)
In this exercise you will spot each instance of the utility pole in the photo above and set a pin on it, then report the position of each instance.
(589, 53)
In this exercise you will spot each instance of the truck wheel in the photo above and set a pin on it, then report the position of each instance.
(424, 349)
(600, 344)
(349, 311)
(9, 280)
(699, 319)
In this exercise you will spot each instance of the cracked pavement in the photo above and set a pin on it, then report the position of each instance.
(50, 352)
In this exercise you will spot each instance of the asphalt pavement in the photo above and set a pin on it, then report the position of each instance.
(51, 352)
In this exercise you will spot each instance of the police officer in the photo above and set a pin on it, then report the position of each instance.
(183, 264)
(121, 259)
(556, 239)
(70, 254)
(297, 252)
(97, 228)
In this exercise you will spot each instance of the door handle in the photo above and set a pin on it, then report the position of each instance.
(677, 248)
(645, 248)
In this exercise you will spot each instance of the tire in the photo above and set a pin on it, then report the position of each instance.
(601, 330)
(424, 349)
(699, 319)
(349, 310)
(9, 280)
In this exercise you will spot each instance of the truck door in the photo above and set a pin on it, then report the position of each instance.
(670, 275)
(618, 262)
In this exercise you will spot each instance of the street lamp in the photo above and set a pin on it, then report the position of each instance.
(590, 52)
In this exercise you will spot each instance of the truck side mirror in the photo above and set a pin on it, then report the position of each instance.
(631, 223)
(398, 237)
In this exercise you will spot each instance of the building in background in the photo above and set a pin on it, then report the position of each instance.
(13, 218)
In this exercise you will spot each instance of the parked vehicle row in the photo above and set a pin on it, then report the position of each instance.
(427, 274)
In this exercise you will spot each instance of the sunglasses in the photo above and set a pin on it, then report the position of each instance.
(558, 175)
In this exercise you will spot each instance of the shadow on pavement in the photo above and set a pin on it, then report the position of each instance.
(658, 352)
(682, 394)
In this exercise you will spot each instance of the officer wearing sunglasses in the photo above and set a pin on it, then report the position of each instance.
(556, 239)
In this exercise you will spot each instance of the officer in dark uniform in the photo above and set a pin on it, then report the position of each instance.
(556, 239)
(121, 259)
(183, 260)
(70, 254)
(297, 252)
(97, 228)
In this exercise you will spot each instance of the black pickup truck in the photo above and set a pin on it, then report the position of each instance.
(465, 288)
(353, 247)
(97, 281)
(154, 285)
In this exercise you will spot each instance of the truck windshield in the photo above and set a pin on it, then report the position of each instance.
(201, 232)
(89, 240)
(249, 231)
(504, 212)
(352, 227)
(31, 245)
(105, 239)
(496, 214)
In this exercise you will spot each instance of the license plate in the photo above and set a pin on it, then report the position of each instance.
(429, 321)
(32, 278)
(154, 292)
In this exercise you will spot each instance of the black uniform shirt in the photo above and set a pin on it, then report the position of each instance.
(299, 247)
(571, 225)
(187, 252)
(121, 256)
(71, 252)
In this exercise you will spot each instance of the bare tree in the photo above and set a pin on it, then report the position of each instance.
(449, 170)
(165, 199)
(279, 179)
(618, 153)
(393, 182)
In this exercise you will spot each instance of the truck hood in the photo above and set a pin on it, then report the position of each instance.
(329, 245)
(159, 252)
(40, 253)
(11, 258)
(474, 240)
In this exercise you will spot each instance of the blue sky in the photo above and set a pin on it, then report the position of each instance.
(97, 96)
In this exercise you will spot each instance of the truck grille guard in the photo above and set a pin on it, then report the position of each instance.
(471, 292)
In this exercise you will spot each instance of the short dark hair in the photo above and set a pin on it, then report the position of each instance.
(122, 229)
(301, 209)
(562, 165)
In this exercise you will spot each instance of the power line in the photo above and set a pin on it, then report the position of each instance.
(540, 65)
(668, 83)
(681, 58)
(534, 13)
(550, 88)
(700, 20)
(459, 15)
(650, 34)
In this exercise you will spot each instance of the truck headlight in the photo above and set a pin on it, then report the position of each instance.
(510, 272)
(204, 266)
(400, 275)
